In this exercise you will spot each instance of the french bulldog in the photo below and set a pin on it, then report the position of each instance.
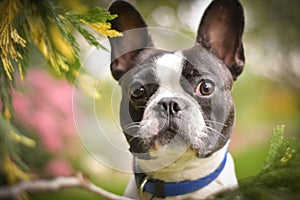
(177, 111)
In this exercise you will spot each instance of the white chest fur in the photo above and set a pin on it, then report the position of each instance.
(200, 168)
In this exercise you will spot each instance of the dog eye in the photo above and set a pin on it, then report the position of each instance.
(138, 92)
(205, 87)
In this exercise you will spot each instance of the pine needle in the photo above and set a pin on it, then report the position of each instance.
(50, 28)
(280, 175)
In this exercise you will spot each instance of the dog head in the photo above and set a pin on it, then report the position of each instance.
(178, 99)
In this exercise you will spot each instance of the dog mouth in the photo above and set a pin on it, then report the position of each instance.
(164, 138)
(170, 136)
(172, 141)
(166, 134)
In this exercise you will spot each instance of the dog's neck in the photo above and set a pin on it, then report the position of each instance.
(187, 167)
(180, 170)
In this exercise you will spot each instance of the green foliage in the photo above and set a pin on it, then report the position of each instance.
(49, 27)
(93, 17)
(278, 178)
(96, 15)
(10, 157)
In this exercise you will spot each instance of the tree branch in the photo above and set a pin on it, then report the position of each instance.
(39, 186)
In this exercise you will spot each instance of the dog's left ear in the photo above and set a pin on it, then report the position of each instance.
(220, 32)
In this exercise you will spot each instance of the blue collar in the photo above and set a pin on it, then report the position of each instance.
(163, 189)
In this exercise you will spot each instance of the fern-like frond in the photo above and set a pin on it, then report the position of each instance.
(49, 27)
(278, 178)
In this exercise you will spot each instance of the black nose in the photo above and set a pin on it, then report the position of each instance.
(171, 105)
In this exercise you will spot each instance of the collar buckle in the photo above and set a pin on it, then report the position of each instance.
(142, 186)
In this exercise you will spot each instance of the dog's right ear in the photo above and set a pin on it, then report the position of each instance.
(135, 37)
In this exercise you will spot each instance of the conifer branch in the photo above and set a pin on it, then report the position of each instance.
(49, 27)
(39, 186)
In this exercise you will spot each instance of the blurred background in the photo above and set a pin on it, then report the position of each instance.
(266, 94)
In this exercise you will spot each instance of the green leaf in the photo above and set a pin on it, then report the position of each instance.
(276, 146)
(278, 178)
(97, 15)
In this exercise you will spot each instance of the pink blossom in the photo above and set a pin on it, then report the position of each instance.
(59, 167)
(46, 107)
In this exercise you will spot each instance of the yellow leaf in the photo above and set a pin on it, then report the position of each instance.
(37, 32)
(13, 172)
(61, 45)
(102, 28)
(7, 114)
(88, 84)
(21, 139)
(62, 64)
(9, 37)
